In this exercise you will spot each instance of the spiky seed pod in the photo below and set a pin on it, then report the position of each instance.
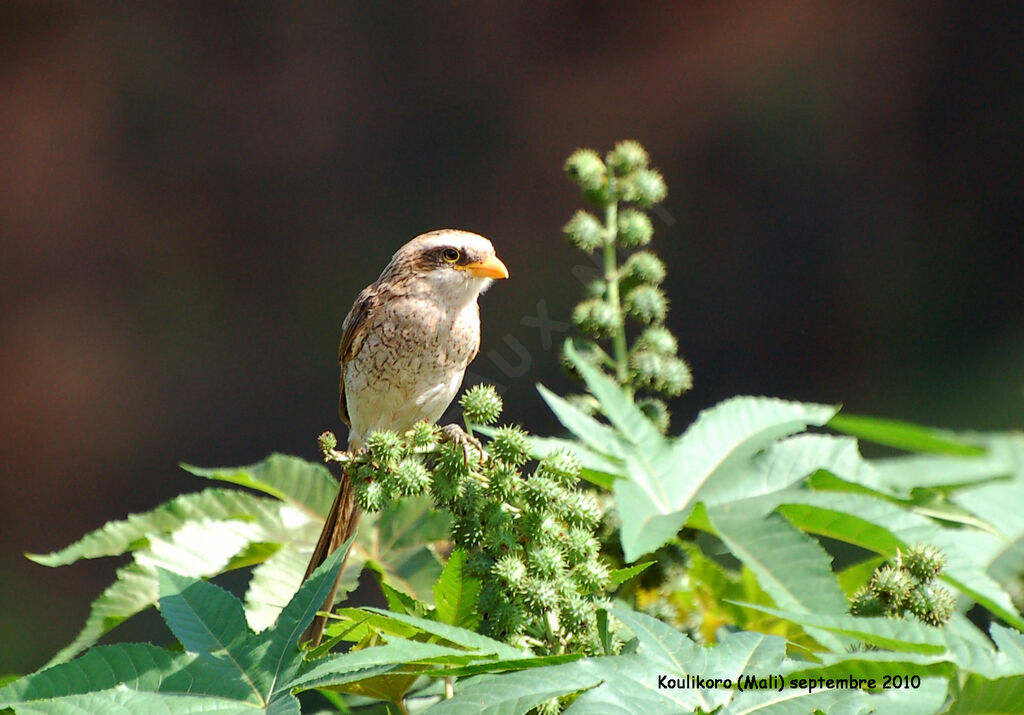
(481, 404)
(592, 576)
(424, 434)
(511, 570)
(924, 562)
(371, 496)
(494, 514)
(644, 267)
(596, 317)
(447, 486)
(545, 562)
(585, 231)
(509, 618)
(891, 587)
(648, 187)
(585, 167)
(646, 303)
(658, 339)
(492, 594)
(503, 481)
(540, 528)
(576, 613)
(665, 373)
(562, 466)
(478, 565)
(541, 594)
(410, 476)
(510, 444)
(627, 157)
(542, 493)
(501, 538)
(635, 228)
(327, 441)
(866, 603)
(596, 288)
(579, 509)
(385, 447)
(589, 351)
(580, 545)
(467, 532)
(657, 412)
(932, 604)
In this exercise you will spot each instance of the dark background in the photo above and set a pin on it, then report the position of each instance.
(192, 194)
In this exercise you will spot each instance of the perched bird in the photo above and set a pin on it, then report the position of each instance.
(405, 345)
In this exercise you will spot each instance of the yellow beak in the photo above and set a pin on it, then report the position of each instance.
(490, 267)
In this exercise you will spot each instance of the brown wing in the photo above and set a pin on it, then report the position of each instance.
(351, 332)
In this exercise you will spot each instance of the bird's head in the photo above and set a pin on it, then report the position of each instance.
(458, 263)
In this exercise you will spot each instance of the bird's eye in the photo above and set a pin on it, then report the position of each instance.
(451, 255)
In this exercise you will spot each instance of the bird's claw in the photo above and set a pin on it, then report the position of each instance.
(456, 435)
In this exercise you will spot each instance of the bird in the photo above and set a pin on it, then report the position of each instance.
(404, 349)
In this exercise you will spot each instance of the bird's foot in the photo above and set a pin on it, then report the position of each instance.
(456, 435)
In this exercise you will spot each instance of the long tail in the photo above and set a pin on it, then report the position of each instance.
(340, 525)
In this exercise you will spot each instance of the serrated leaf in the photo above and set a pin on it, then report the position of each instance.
(279, 658)
(904, 435)
(200, 548)
(620, 409)
(597, 436)
(452, 634)
(884, 527)
(598, 469)
(305, 485)
(620, 576)
(456, 593)
(396, 655)
(122, 701)
(118, 537)
(980, 695)
(664, 483)
(203, 617)
(790, 566)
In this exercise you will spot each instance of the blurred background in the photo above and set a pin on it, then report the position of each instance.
(192, 194)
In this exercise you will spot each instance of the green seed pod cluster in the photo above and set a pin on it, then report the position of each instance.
(529, 534)
(908, 587)
(627, 296)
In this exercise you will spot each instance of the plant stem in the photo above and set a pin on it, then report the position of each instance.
(611, 277)
(449, 688)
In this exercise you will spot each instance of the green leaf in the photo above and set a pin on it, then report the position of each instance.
(402, 545)
(980, 695)
(397, 655)
(456, 593)
(117, 537)
(203, 617)
(199, 548)
(598, 469)
(278, 657)
(305, 485)
(664, 483)
(624, 414)
(597, 436)
(620, 576)
(123, 701)
(904, 435)
(790, 566)
(401, 602)
(452, 634)
(884, 528)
